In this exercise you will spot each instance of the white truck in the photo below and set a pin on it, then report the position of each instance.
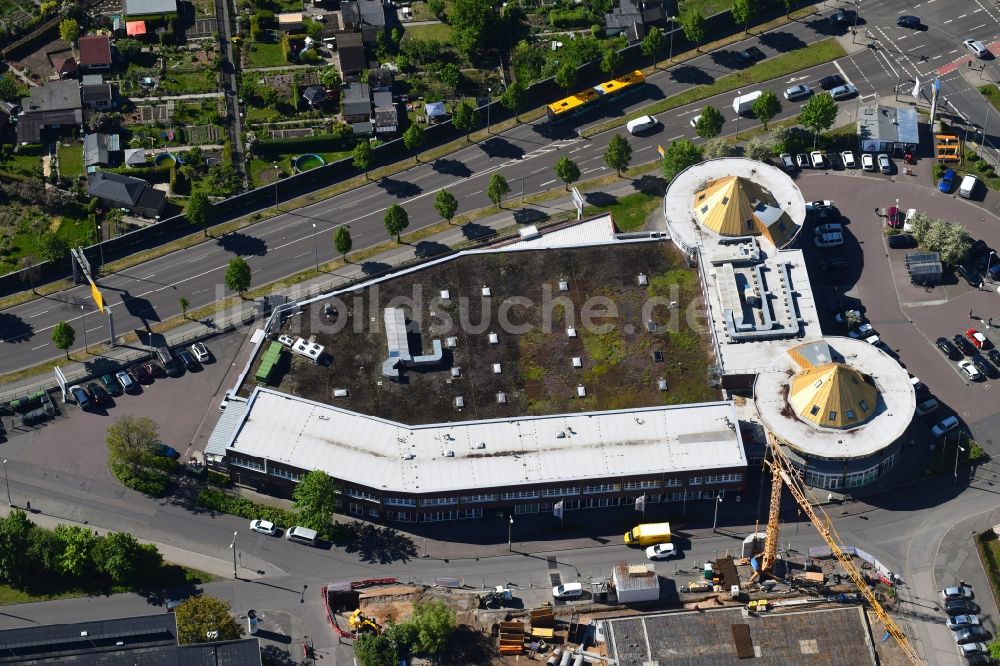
(743, 103)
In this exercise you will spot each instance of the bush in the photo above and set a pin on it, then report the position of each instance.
(982, 165)
(937, 170)
(971, 155)
(147, 482)
(323, 143)
(217, 479)
(569, 18)
(210, 498)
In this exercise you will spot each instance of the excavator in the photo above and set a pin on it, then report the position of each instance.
(363, 624)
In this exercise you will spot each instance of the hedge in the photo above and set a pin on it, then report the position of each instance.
(569, 18)
(146, 482)
(159, 173)
(218, 500)
(324, 143)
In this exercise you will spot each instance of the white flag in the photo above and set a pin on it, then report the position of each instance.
(916, 89)
(557, 509)
(640, 503)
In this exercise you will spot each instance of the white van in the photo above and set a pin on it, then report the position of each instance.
(640, 124)
(967, 187)
(744, 103)
(301, 535)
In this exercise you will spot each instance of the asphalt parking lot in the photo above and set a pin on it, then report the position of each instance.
(907, 318)
(183, 407)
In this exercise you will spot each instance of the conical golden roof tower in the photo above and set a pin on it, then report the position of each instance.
(737, 206)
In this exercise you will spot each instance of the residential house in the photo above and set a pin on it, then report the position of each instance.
(56, 105)
(95, 53)
(135, 8)
(314, 95)
(135, 157)
(380, 80)
(290, 21)
(435, 112)
(118, 191)
(364, 16)
(352, 55)
(66, 68)
(95, 94)
(102, 150)
(632, 18)
(386, 116)
(357, 108)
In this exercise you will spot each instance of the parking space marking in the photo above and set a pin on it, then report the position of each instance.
(962, 16)
(948, 21)
(979, 26)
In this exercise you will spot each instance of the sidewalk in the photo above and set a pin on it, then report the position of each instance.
(488, 229)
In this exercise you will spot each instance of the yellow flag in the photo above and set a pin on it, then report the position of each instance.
(98, 297)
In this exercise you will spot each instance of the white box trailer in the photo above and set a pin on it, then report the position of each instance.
(743, 103)
(635, 583)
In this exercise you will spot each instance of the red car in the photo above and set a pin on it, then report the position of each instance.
(895, 218)
(977, 339)
(140, 374)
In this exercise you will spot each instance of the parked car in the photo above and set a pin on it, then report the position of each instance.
(978, 340)
(844, 316)
(918, 386)
(970, 370)
(165, 451)
(752, 54)
(977, 48)
(867, 162)
(963, 344)
(884, 165)
(80, 396)
(187, 360)
(155, 369)
(263, 527)
(819, 204)
(894, 218)
(843, 16)
(985, 367)
(927, 406)
(141, 374)
(908, 21)
(833, 265)
(940, 429)
(797, 92)
(567, 591)
(200, 352)
(958, 591)
(818, 159)
(973, 648)
(832, 81)
(125, 381)
(829, 240)
(787, 161)
(98, 393)
(970, 635)
(947, 181)
(861, 332)
(111, 385)
(901, 241)
(802, 160)
(661, 551)
(848, 157)
(961, 606)
(845, 91)
(962, 621)
(948, 349)
(832, 227)
(994, 356)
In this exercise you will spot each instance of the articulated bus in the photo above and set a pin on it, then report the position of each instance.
(579, 102)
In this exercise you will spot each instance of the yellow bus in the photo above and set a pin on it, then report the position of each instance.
(581, 101)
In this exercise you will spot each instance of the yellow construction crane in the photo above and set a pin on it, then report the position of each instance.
(783, 472)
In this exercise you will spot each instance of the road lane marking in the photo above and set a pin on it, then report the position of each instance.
(979, 26)
(948, 21)
(40, 346)
(148, 276)
(594, 169)
(639, 150)
(538, 171)
(976, 11)
(841, 71)
(674, 138)
(936, 57)
(467, 196)
(548, 182)
(90, 330)
(300, 255)
(191, 261)
(963, 16)
(39, 314)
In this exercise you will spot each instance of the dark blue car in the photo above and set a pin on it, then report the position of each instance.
(947, 181)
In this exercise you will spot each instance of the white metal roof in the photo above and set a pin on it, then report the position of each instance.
(596, 231)
(373, 452)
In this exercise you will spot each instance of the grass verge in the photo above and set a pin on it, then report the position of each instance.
(772, 68)
(992, 93)
(171, 575)
(630, 211)
(988, 546)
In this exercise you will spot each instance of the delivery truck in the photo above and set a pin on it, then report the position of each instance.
(744, 103)
(648, 534)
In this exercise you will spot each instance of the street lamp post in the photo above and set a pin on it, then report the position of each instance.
(989, 260)
(489, 103)
(315, 247)
(673, 27)
(510, 527)
(739, 93)
(277, 174)
(715, 519)
(232, 547)
(6, 483)
(86, 350)
(958, 448)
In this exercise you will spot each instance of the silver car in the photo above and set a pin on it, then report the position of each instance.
(798, 92)
(845, 91)
(883, 163)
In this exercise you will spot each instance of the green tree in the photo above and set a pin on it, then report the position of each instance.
(76, 548)
(437, 8)
(63, 337)
(69, 30)
(566, 76)
(994, 647)
(199, 211)
(758, 149)
(15, 545)
(920, 224)
(693, 26)
(679, 156)
(952, 242)
(745, 11)
(205, 619)
(567, 170)
(717, 147)
(465, 117)
(413, 138)
(766, 107)
(8, 88)
(434, 623)
(450, 75)
(116, 556)
(497, 189)
(238, 275)
(362, 156)
(342, 241)
(185, 304)
(330, 77)
(475, 24)
(446, 204)
(128, 48)
(375, 650)
(789, 6)
(619, 154)
(53, 247)
(710, 123)
(514, 97)
(652, 44)
(43, 555)
(131, 441)
(611, 60)
(396, 220)
(818, 114)
(316, 500)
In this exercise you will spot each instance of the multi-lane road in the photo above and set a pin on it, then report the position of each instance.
(525, 155)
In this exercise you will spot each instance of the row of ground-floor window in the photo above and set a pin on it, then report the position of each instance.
(374, 511)
(853, 479)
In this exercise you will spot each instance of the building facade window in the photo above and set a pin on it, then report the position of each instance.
(600, 488)
(672, 483)
(732, 477)
(470, 513)
(560, 492)
(399, 501)
(694, 481)
(642, 485)
(600, 502)
(401, 516)
(437, 516)
(285, 474)
(438, 501)
(474, 499)
(247, 463)
(519, 494)
(527, 508)
(361, 494)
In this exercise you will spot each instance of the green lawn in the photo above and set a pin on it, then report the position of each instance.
(259, 170)
(26, 162)
(782, 65)
(706, 7)
(630, 211)
(438, 31)
(185, 83)
(266, 54)
(421, 12)
(70, 160)
(203, 8)
(992, 93)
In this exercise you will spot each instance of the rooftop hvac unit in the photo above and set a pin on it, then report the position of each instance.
(486, 291)
(456, 371)
(527, 232)
(643, 280)
(494, 339)
(286, 340)
(577, 362)
(581, 392)
(341, 393)
(571, 332)
(501, 399)
(445, 295)
(409, 456)
(563, 285)
(496, 368)
(448, 454)
(451, 342)
(459, 402)
(481, 445)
